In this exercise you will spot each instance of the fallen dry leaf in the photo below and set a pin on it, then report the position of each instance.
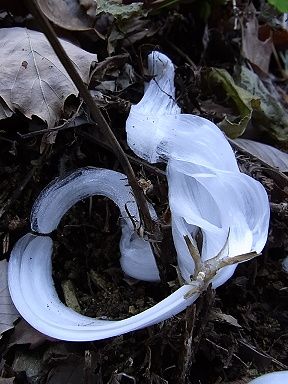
(218, 315)
(90, 6)
(67, 14)
(69, 371)
(8, 313)
(32, 79)
(25, 334)
(9, 380)
(132, 30)
(256, 51)
(29, 362)
(272, 156)
(279, 36)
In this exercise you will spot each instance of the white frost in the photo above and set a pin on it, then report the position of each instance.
(206, 189)
(58, 197)
(206, 192)
(33, 293)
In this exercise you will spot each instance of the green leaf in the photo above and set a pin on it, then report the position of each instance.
(243, 100)
(271, 116)
(118, 10)
(281, 5)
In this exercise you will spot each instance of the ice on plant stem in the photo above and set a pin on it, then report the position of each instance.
(30, 267)
(207, 192)
(60, 195)
(206, 189)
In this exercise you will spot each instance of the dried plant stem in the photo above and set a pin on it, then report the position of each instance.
(194, 252)
(149, 225)
(206, 270)
(96, 114)
(265, 165)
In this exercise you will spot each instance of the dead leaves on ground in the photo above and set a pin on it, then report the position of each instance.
(67, 14)
(32, 79)
(267, 153)
(8, 313)
(84, 15)
(24, 333)
(272, 116)
(256, 51)
(117, 9)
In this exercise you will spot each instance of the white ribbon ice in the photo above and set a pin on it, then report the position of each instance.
(30, 267)
(206, 192)
(56, 199)
(206, 189)
(33, 293)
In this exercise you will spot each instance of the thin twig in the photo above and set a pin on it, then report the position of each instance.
(151, 226)
(183, 54)
(205, 271)
(226, 351)
(262, 162)
(230, 260)
(67, 124)
(187, 354)
(151, 168)
(194, 252)
(80, 124)
(96, 114)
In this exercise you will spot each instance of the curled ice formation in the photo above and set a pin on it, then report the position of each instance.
(33, 293)
(30, 267)
(206, 189)
(207, 192)
(58, 197)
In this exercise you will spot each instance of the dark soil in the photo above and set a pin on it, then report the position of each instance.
(228, 336)
(100, 285)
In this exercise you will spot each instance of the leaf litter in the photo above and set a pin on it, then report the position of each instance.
(8, 312)
(67, 14)
(33, 81)
(256, 51)
(255, 298)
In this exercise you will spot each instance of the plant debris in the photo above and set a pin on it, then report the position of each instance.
(228, 336)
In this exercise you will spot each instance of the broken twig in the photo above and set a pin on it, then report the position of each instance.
(206, 270)
(149, 225)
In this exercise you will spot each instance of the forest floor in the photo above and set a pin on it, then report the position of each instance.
(228, 336)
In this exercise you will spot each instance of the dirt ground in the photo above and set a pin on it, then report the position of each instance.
(228, 336)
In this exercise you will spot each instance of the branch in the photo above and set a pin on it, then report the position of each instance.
(150, 226)
(94, 110)
(206, 270)
(265, 165)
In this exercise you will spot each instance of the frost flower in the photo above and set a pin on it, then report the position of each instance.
(30, 267)
(207, 192)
